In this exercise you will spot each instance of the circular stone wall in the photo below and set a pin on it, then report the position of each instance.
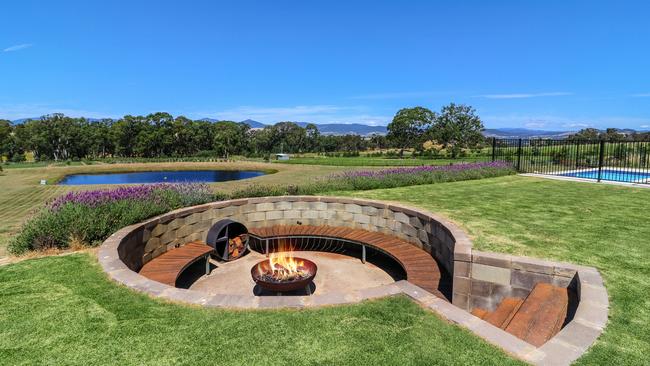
(125, 252)
(479, 278)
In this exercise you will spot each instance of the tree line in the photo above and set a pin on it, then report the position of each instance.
(158, 135)
(609, 134)
(59, 137)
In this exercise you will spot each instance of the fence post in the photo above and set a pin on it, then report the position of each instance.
(519, 156)
(494, 149)
(577, 152)
(601, 158)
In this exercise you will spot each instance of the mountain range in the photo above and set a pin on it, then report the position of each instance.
(367, 130)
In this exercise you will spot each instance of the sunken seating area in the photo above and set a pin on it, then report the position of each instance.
(540, 311)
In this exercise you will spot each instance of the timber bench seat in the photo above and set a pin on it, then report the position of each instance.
(168, 266)
(421, 268)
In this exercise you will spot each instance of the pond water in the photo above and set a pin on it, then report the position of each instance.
(207, 176)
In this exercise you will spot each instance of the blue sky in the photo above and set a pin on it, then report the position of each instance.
(535, 64)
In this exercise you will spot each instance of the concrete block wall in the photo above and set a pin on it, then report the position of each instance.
(479, 279)
(423, 229)
(489, 277)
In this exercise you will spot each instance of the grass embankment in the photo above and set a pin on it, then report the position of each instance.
(21, 193)
(63, 310)
(598, 225)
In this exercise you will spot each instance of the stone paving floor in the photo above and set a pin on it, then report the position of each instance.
(336, 273)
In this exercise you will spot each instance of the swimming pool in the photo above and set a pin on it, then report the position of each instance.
(612, 175)
(207, 176)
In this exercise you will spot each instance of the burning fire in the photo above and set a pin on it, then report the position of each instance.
(282, 267)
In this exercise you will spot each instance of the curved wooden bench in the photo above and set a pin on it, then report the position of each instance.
(168, 266)
(421, 268)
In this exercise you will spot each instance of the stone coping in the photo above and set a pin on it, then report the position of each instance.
(565, 347)
(568, 345)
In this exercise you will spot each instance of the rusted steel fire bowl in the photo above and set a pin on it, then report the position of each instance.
(284, 286)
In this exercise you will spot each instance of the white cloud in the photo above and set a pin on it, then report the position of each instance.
(577, 125)
(640, 95)
(304, 113)
(17, 47)
(645, 126)
(535, 124)
(523, 95)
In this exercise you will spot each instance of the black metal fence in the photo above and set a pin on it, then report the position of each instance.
(622, 161)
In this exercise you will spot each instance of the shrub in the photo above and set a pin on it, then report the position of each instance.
(91, 216)
(385, 178)
(408, 176)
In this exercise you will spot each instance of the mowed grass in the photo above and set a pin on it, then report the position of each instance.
(364, 161)
(598, 225)
(64, 311)
(21, 192)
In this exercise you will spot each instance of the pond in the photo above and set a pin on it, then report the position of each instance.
(207, 176)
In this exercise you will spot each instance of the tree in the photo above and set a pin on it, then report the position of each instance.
(407, 127)
(612, 134)
(288, 137)
(230, 137)
(6, 131)
(586, 134)
(378, 141)
(458, 127)
(313, 137)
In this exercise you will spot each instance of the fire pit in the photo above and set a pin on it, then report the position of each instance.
(283, 272)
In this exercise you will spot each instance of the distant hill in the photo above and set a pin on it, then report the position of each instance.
(254, 124)
(326, 128)
(345, 129)
(525, 133)
(23, 120)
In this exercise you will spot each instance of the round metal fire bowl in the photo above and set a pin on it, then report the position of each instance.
(284, 286)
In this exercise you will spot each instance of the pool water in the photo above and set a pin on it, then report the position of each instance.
(206, 176)
(613, 175)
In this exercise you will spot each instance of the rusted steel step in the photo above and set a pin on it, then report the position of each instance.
(504, 313)
(541, 315)
(480, 313)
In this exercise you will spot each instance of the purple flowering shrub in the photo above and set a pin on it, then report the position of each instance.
(407, 176)
(384, 178)
(91, 216)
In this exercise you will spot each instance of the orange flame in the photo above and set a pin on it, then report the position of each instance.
(283, 265)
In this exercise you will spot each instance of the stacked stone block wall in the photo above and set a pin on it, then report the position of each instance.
(176, 228)
(490, 277)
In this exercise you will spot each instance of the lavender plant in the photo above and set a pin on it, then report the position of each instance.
(91, 216)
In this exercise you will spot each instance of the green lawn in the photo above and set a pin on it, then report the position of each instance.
(598, 225)
(362, 161)
(63, 309)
